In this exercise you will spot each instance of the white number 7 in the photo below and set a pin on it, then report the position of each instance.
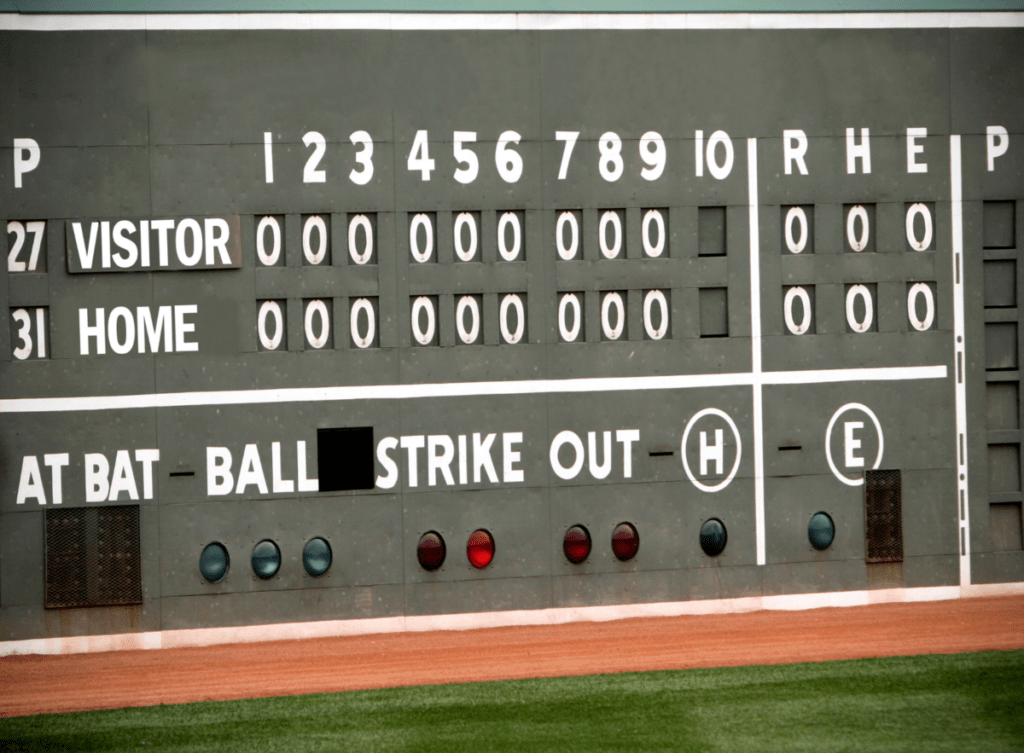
(569, 137)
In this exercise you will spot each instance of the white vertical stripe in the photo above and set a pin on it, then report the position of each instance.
(268, 155)
(963, 510)
(755, 338)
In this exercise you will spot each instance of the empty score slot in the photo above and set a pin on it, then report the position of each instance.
(661, 453)
(176, 474)
(345, 458)
(789, 447)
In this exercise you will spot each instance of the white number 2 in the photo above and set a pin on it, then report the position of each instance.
(310, 174)
(19, 230)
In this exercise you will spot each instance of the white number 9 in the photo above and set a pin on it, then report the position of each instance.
(652, 152)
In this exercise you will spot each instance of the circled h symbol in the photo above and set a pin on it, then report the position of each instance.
(739, 449)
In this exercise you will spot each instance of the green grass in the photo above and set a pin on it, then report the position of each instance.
(929, 703)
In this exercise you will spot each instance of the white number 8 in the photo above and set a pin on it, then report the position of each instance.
(610, 165)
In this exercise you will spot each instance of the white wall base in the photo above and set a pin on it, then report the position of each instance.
(476, 620)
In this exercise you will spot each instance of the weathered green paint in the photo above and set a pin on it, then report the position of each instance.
(170, 124)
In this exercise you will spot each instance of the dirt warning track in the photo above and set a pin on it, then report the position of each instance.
(41, 684)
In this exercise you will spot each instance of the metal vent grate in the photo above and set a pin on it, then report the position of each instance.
(93, 557)
(883, 500)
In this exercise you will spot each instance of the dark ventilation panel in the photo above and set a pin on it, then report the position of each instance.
(93, 557)
(345, 459)
(883, 500)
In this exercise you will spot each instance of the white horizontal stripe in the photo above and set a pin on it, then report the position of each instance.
(458, 389)
(829, 376)
(501, 21)
(476, 620)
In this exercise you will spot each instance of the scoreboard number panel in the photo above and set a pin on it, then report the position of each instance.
(566, 303)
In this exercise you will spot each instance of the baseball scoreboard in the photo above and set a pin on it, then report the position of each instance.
(362, 322)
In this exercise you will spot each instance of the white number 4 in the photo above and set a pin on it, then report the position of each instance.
(419, 156)
(19, 230)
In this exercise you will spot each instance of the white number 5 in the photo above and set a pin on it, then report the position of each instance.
(465, 156)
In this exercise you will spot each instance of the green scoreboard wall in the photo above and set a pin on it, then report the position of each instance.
(428, 320)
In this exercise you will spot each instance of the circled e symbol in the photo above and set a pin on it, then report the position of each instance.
(828, 442)
(739, 449)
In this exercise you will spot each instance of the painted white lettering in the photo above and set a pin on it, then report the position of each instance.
(714, 452)
(219, 479)
(794, 147)
(97, 471)
(851, 444)
(147, 458)
(440, 461)
(188, 226)
(627, 437)
(383, 447)
(855, 151)
(105, 244)
(120, 313)
(144, 242)
(126, 244)
(86, 251)
(914, 149)
(148, 330)
(26, 158)
(482, 458)
(463, 460)
(123, 478)
(510, 457)
(217, 234)
(162, 228)
(182, 328)
(281, 485)
(599, 471)
(305, 484)
(411, 444)
(31, 484)
(251, 471)
(997, 141)
(85, 331)
(56, 463)
(566, 438)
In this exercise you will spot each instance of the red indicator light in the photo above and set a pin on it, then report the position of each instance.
(576, 544)
(480, 548)
(430, 551)
(625, 541)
